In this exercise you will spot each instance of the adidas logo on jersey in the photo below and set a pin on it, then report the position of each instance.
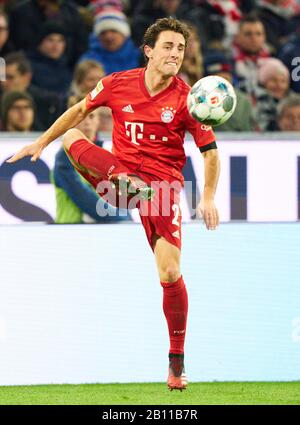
(128, 108)
(176, 234)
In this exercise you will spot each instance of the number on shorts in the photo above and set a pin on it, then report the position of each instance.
(175, 208)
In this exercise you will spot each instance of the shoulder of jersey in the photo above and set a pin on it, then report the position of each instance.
(131, 73)
(182, 84)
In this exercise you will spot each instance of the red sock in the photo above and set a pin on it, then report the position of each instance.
(95, 159)
(175, 306)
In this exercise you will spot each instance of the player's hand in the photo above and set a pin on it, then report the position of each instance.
(208, 211)
(34, 150)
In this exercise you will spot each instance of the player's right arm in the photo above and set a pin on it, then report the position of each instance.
(69, 119)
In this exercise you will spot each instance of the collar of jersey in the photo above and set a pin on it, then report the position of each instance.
(158, 95)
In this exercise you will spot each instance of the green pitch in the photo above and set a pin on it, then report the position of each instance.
(154, 394)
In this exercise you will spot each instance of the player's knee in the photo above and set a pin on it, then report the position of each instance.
(171, 273)
(70, 137)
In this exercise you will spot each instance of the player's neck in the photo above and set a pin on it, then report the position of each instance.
(155, 82)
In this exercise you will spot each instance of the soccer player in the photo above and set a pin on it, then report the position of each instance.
(150, 120)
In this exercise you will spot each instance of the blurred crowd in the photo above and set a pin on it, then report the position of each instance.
(55, 49)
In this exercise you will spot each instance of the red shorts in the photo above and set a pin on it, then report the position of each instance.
(161, 216)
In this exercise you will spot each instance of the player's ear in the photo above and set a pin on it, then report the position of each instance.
(148, 51)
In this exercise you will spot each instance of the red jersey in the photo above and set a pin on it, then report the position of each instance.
(149, 131)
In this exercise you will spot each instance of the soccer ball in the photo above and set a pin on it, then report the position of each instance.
(211, 100)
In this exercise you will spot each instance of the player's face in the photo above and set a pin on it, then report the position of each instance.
(278, 85)
(167, 55)
(251, 37)
(290, 119)
(89, 126)
(20, 116)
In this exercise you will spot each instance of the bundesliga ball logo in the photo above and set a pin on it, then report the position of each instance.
(167, 114)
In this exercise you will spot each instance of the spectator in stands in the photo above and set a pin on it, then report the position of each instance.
(192, 65)
(249, 47)
(17, 112)
(276, 16)
(290, 54)
(247, 6)
(274, 78)
(106, 122)
(209, 22)
(288, 113)
(99, 5)
(76, 199)
(111, 44)
(18, 77)
(230, 12)
(27, 17)
(242, 118)
(49, 64)
(5, 44)
(86, 76)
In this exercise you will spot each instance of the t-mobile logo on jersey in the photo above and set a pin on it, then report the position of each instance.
(132, 130)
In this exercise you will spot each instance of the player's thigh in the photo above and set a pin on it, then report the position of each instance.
(167, 256)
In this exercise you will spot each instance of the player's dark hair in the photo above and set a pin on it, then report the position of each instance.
(18, 58)
(160, 25)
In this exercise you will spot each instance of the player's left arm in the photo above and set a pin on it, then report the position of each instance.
(205, 140)
(206, 206)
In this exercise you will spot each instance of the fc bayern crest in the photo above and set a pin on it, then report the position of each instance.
(167, 114)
